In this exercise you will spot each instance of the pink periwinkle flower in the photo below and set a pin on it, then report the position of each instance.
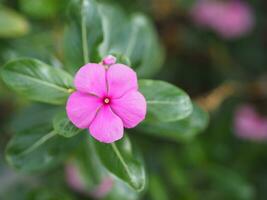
(107, 99)
(230, 19)
(76, 182)
(249, 124)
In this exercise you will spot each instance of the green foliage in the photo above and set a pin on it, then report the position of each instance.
(124, 161)
(37, 149)
(63, 126)
(41, 9)
(37, 80)
(165, 102)
(44, 137)
(12, 24)
(180, 130)
(93, 32)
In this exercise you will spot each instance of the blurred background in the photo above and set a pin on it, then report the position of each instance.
(214, 49)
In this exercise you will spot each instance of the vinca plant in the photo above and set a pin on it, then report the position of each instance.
(95, 111)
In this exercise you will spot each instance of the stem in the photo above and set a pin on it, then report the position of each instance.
(84, 34)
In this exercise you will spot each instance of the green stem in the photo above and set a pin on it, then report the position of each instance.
(84, 35)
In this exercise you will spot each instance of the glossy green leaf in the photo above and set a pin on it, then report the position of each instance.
(165, 102)
(83, 33)
(124, 161)
(37, 149)
(12, 24)
(64, 127)
(37, 80)
(135, 38)
(184, 129)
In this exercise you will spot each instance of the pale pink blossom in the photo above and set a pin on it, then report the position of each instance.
(230, 19)
(249, 124)
(76, 182)
(107, 99)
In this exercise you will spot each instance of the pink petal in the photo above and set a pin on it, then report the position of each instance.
(131, 108)
(106, 127)
(81, 108)
(121, 79)
(91, 78)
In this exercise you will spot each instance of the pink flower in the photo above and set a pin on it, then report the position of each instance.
(249, 124)
(76, 182)
(106, 100)
(230, 19)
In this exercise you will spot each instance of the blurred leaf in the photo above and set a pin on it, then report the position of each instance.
(33, 115)
(230, 183)
(184, 129)
(37, 149)
(165, 102)
(37, 80)
(124, 161)
(83, 34)
(93, 174)
(41, 9)
(49, 194)
(12, 24)
(63, 126)
(157, 188)
(135, 38)
(94, 36)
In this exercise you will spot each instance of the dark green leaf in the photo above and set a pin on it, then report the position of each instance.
(12, 24)
(165, 102)
(37, 80)
(83, 33)
(37, 149)
(184, 129)
(64, 127)
(124, 161)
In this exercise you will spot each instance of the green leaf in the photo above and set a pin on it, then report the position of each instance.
(86, 161)
(136, 38)
(124, 161)
(165, 102)
(184, 129)
(83, 33)
(41, 9)
(12, 24)
(93, 33)
(64, 127)
(37, 149)
(37, 80)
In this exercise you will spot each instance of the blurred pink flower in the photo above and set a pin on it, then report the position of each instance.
(75, 181)
(230, 19)
(106, 100)
(249, 124)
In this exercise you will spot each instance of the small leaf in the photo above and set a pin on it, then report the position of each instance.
(64, 127)
(37, 80)
(12, 24)
(37, 149)
(124, 161)
(165, 102)
(184, 129)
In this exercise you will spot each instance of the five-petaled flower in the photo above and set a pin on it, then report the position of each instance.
(107, 99)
